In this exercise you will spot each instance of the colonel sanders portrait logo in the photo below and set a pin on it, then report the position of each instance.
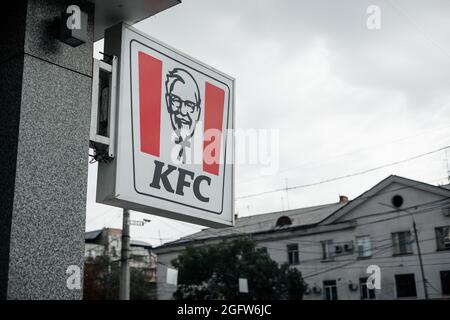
(183, 104)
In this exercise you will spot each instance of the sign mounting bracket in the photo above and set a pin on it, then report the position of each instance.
(104, 107)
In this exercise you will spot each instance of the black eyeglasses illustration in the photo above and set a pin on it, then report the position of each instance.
(176, 103)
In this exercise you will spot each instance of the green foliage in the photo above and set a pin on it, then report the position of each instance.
(212, 272)
(140, 288)
(102, 281)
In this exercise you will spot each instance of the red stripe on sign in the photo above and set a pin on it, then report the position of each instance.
(214, 103)
(150, 83)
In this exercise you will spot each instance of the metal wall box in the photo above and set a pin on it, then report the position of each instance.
(103, 109)
(74, 37)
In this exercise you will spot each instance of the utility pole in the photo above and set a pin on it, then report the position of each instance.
(424, 280)
(125, 258)
(419, 252)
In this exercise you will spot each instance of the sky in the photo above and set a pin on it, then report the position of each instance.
(342, 98)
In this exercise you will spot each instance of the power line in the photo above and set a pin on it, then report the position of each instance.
(235, 232)
(344, 176)
(427, 210)
(342, 265)
(242, 233)
(342, 155)
(381, 249)
(316, 208)
(419, 28)
(225, 230)
(352, 261)
(347, 254)
(233, 229)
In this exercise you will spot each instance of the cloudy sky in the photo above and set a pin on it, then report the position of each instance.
(343, 98)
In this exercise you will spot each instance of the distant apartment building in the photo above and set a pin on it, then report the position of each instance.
(334, 244)
(108, 241)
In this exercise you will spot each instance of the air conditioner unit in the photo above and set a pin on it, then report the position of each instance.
(352, 286)
(317, 290)
(338, 249)
(348, 247)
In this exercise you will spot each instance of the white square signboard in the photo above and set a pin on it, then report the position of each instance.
(174, 141)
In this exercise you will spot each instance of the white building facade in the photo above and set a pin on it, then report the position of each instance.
(108, 241)
(334, 245)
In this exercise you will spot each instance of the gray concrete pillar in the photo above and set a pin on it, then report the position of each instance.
(45, 91)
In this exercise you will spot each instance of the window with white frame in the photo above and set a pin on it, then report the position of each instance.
(327, 250)
(443, 238)
(330, 290)
(401, 242)
(364, 246)
(293, 257)
(366, 293)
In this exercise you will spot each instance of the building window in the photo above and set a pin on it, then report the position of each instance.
(364, 246)
(330, 290)
(401, 242)
(283, 221)
(445, 282)
(327, 250)
(365, 292)
(405, 285)
(397, 201)
(443, 238)
(292, 250)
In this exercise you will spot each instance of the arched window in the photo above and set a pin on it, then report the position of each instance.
(283, 221)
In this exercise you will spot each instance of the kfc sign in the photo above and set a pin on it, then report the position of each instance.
(174, 153)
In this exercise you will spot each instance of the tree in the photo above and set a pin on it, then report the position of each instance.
(213, 272)
(102, 281)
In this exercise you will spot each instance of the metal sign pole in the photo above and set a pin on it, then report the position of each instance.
(125, 258)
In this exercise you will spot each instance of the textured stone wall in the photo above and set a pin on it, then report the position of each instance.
(45, 97)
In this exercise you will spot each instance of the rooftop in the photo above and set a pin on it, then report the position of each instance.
(304, 217)
(267, 222)
(92, 236)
